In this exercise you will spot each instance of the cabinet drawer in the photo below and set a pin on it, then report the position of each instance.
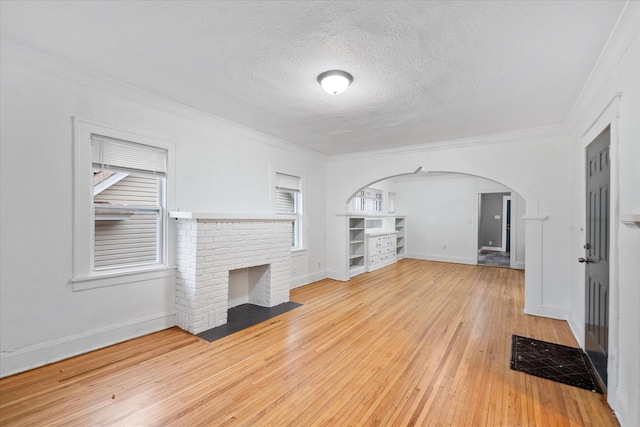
(383, 250)
(382, 258)
(377, 259)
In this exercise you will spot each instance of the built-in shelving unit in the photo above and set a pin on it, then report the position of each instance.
(361, 230)
(400, 224)
(356, 246)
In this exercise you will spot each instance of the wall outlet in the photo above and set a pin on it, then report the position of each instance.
(490, 242)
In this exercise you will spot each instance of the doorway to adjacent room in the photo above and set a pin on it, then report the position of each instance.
(494, 229)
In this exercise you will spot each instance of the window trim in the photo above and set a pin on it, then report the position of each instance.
(83, 209)
(298, 238)
(298, 203)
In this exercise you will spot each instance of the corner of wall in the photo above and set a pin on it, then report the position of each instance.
(305, 279)
(577, 329)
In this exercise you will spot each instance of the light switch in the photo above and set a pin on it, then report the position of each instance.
(497, 217)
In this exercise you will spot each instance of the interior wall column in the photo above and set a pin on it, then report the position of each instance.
(534, 266)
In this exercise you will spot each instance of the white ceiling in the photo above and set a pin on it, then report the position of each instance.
(423, 71)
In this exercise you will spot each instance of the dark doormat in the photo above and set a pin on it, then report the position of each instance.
(567, 365)
(244, 316)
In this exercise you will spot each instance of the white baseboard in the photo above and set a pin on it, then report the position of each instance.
(305, 279)
(577, 330)
(620, 406)
(443, 258)
(334, 275)
(519, 265)
(550, 312)
(34, 356)
(491, 248)
(618, 400)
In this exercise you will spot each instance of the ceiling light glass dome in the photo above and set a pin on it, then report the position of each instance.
(335, 82)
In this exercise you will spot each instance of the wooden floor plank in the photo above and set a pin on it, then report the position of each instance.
(415, 343)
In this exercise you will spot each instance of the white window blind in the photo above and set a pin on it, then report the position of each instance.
(287, 182)
(287, 187)
(110, 153)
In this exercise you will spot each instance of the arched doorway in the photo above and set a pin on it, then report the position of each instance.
(532, 221)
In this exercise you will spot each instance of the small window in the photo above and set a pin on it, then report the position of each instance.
(289, 201)
(367, 200)
(128, 203)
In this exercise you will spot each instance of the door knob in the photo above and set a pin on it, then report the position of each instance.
(583, 260)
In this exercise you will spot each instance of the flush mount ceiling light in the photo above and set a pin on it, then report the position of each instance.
(335, 82)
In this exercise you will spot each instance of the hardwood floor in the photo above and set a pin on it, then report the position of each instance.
(415, 343)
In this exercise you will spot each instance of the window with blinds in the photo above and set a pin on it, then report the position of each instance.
(288, 201)
(129, 203)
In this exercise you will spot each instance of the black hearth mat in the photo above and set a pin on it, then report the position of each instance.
(244, 316)
(567, 365)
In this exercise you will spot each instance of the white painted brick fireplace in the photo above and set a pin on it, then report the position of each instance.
(211, 245)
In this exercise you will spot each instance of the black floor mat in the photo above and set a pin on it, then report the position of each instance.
(244, 316)
(568, 365)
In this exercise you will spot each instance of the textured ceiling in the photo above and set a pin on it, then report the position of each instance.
(423, 71)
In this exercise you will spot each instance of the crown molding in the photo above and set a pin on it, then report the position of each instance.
(476, 141)
(16, 54)
(619, 42)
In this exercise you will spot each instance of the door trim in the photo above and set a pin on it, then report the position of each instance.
(476, 224)
(504, 221)
(608, 117)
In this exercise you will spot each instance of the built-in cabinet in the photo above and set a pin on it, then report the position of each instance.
(381, 250)
(374, 242)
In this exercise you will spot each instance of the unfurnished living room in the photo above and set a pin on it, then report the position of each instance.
(337, 213)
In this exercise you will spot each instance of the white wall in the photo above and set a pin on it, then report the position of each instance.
(547, 170)
(612, 97)
(442, 216)
(220, 167)
(531, 163)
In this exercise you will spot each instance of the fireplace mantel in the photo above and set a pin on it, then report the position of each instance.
(210, 245)
(230, 216)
